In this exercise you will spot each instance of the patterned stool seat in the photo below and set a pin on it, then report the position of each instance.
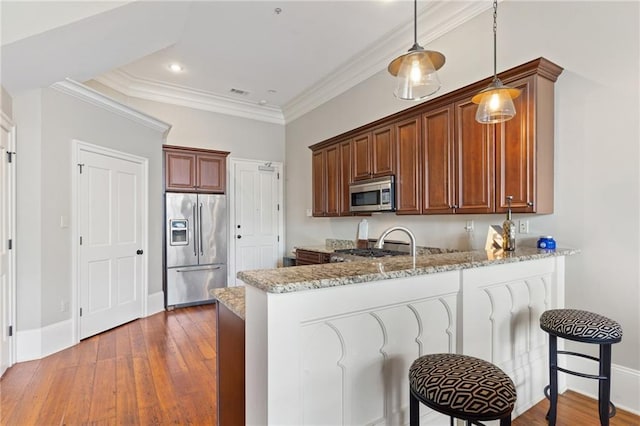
(581, 326)
(462, 386)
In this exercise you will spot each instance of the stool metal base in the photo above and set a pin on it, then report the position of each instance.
(606, 409)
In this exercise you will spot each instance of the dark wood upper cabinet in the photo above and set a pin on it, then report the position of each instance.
(438, 180)
(474, 161)
(408, 187)
(446, 162)
(180, 170)
(361, 156)
(383, 152)
(195, 170)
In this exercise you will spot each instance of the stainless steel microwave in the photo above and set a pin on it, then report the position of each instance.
(373, 195)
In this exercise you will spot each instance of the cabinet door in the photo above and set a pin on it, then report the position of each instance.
(345, 177)
(383, 151)
(332, 177)
(180, 171)
(474, 148)
(408, 188)
(437, 152)
(318, 180)
(361, 156)
(211, 173)
(515, 153)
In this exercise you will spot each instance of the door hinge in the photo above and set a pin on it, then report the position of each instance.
(10, 244)
(80, 240)
(10, 156)
(80, 166)
(278, 206)
(80, 311)
(10, 331)
(278, 174)
(278, 238)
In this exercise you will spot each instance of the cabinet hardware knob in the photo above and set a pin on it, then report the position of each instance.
(239, 236)
(530, 204)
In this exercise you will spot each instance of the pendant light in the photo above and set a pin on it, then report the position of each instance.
(415, 71)
(495, 101)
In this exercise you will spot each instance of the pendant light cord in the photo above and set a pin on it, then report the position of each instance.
(415, 22)
(495, 30)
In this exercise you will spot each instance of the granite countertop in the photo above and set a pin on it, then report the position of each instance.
(232, 298)
(285, 280)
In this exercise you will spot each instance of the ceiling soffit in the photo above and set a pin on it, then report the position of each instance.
(436, 21)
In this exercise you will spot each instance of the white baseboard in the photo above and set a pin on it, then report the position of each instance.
(41, 342)
(625, 383)
(155, 303)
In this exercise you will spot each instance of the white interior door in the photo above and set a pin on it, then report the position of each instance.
(6, 234)
(257, 216)
(111, 215)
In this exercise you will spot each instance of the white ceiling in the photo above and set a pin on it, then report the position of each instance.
(288, 62)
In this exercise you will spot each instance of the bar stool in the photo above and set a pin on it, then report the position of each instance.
(461, 387)
(585, 327)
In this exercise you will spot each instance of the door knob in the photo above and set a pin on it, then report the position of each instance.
(139, 251)
(239, 236)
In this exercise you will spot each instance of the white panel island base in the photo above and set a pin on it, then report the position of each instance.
(336, 349)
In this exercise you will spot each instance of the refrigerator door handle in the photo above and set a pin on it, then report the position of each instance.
(200, 229)
(199, 269)
(195, 233)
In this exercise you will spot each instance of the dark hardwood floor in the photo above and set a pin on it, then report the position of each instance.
(162, 370)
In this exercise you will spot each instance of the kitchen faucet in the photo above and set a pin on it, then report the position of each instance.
(412, 238)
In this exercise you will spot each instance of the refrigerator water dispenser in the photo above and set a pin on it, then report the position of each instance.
(179, 232)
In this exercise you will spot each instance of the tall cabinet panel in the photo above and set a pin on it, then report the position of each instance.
(318, 160)
(438, 161)
(474, 161)
(332, 176)
(195, 170)
(408, 187)
(383, 151)
(345, 177)
(361, 156)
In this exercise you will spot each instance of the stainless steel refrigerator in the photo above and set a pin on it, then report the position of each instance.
(196, 247)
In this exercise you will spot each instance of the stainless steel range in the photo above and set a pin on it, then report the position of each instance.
(347, 255)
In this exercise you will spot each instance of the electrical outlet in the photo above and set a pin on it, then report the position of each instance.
(469, 226)
(523, 226)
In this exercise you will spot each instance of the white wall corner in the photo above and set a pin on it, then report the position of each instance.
(41, 342)
(155, 303)
(625, 383)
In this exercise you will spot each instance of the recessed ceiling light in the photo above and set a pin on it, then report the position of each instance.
(263, 102)
(175, 67)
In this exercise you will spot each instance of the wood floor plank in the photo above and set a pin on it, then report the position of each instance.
(107, 345)
(13, 385)
(54, 406)
(103, 403)
(126, 404)
(79, 394)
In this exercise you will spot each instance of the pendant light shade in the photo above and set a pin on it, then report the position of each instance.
(495, 103)
(416, 71)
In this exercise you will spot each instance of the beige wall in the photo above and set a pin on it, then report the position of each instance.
(597, 184)
(48, 121)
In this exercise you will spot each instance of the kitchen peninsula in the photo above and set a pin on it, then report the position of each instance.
(332, 344)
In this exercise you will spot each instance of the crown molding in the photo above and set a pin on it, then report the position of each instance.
(87, 94)
(159, 91)
(438, 17)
